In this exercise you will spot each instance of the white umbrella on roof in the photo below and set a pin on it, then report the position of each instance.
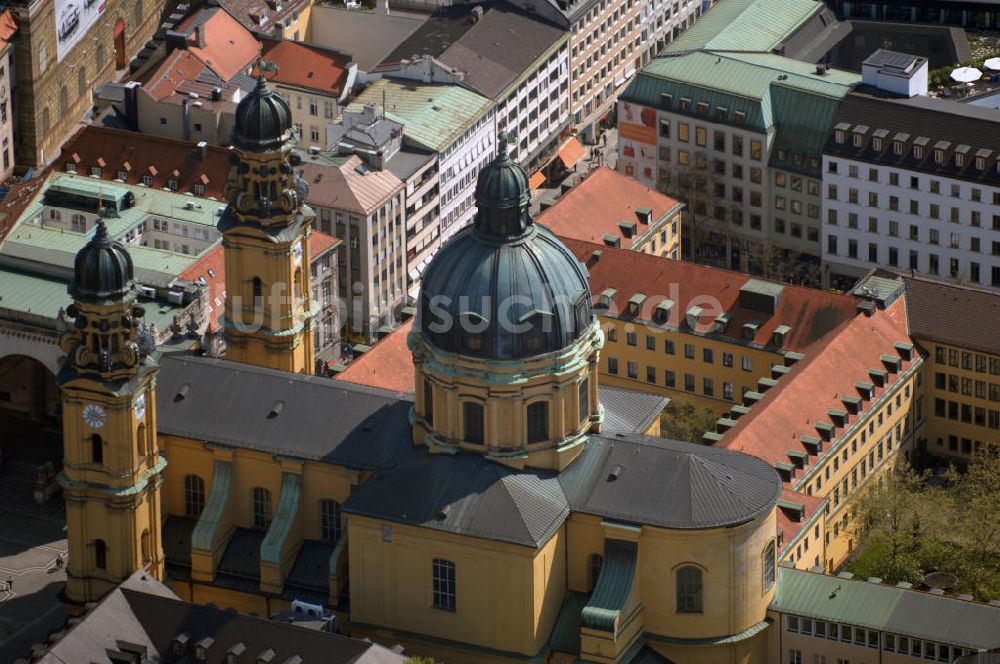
(966, 74)
(992, 63)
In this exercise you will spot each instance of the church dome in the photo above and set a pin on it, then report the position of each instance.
(504, 288)
(103, 269)
(263, 120)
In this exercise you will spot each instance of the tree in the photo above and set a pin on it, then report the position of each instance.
(889, 517)
(422, 660)
(786, 265)
(682, 419)
(975, 525)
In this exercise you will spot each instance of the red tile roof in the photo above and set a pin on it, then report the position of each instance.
(247, 11)
(596, 205)
(388, 365)
(306, 66)
(210, 270)
(829, 371)
(808, 312)
(18, 197)
(137, 153)
(179, 67)
(8, 27)
(790, 528)
(229, 47)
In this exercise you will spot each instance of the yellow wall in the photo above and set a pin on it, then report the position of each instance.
(662, 238)
(971, 381)
(508, 596)
(617, 347)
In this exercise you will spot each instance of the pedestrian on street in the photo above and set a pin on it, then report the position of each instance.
(60, 561)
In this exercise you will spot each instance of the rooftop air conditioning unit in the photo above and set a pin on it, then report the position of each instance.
(147, 292)
(175, 297)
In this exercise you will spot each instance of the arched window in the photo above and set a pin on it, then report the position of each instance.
(99, 58)
(43, 57)
(100, 554)
(767, 560)
(689, 590)
(472, 414)
(258, 293)
(81, 81)
(329, 514)
(429, 402)
(141, 444)
(63, 102)
(138, 14)
(194, 496)
(538, 422)
(144, 546)
(443, 584)
(596, 561)
(96, 448)
(584, 398)
(261, 508)
(46, 122)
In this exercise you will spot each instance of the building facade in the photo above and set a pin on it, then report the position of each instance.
(8, 80)
(56, 67)
(910, 184)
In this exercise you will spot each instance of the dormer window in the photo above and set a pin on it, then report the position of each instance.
(918, 152)
(70, 167)
(635, 304)
(147, 180)
(172, 185)
(839, 136)
(702, 108)
(858, 139)
(666, 99)
(685, 104)
(877, 144)
(750, 330)
(939, 157)
(959, 159)
(607, 298)
(980, 163)
(897, 148)
(95, 171)
(662, 313)
(740, 117)
(123, 176)
(720, 113)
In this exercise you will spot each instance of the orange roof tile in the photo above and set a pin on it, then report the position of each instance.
(8, 27)
(18, 197)
(596, 205)
(305, 66)
(788, 527)
(388, 365)
(178, 67)
(808, 312)
(229, 47)
(829, 371)
(210, 271)
(145, 154)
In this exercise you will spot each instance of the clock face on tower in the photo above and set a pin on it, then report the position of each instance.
(297, 253)
(140, 407)
(94, 416)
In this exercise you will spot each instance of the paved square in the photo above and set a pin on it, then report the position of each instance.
(30, 610)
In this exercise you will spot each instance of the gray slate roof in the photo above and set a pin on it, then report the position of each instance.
(237, 405)
(144, 612)
(631, 478)
(492, 52)
(629, 411)
(465, 494)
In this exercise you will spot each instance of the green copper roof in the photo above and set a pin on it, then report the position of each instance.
(284, 518)
(613, 585)
(206, 533)
(747, 25)
(746, 82)
(29, 240)
(888, 608)
(432, 114)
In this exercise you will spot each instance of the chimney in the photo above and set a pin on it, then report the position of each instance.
(202, 150)
(216, 94)
(186, 118)
(199, 36)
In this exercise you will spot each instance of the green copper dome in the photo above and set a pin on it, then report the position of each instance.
(263, 120)
(102, 271)
(504, 288)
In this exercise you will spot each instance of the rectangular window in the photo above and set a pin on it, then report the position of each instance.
(707, 355)
(689, 351)
(443, 584)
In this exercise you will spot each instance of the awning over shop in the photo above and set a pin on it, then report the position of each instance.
(536, 180)
(571, 152)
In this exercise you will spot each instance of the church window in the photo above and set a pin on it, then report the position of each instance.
(140, 441)
(329, 511)
(443, 584)
(596, 561)
(472, 413)
(194, 495)
(689, 590)
(100, 554)
(258, 293)
(261, 508)
(96, 448)
(585, 398)
(538, 422)
(768, 565)
(144, 546)
(429, 402)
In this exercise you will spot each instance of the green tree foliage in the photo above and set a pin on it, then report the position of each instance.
(911, 524)
(682, 419)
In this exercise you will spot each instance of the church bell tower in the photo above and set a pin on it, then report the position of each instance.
(112, 463)
(266, 227)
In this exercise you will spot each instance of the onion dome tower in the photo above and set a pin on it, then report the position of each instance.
(112, 474)
(266, 228)
(506, 346)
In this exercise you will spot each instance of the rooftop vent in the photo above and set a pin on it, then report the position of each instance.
(275, 410)
(759, 295)
(180, 396)
(202, 648)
